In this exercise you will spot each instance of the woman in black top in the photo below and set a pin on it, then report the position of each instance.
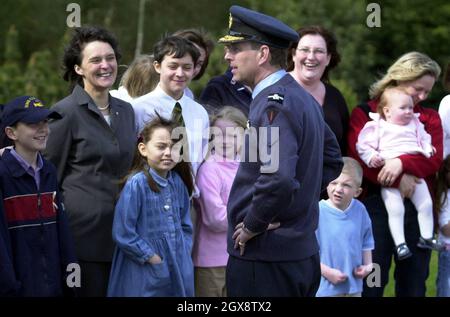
(309, 62)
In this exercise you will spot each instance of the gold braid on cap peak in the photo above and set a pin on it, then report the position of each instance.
(231, 38)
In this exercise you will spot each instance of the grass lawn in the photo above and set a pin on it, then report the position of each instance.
(431, 281)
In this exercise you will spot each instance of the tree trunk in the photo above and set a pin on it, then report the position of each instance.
(140, 28)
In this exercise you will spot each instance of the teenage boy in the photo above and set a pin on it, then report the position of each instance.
(175, 60)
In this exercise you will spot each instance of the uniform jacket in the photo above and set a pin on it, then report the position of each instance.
(289, 194)
(91, 157)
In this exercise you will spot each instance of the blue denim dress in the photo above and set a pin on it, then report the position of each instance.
(443, 276)
(148, 223)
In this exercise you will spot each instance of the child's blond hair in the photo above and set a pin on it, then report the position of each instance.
(232, 114)
(385, 97)
(353, 169)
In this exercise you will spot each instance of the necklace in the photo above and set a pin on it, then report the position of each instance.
(103, 108)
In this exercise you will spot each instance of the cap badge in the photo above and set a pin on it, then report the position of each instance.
(37, 103)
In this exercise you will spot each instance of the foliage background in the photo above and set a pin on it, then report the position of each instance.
(34, 32)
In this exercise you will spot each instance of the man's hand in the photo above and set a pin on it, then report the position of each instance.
(241, 235)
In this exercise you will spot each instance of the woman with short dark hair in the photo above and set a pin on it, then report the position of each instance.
(92, 147)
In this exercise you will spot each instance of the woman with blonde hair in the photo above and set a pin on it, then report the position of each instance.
(139, 79)
(416, 74)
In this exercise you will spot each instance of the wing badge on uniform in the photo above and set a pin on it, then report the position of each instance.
(276, 97)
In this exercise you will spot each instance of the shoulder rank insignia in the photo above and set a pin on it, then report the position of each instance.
(276, 97)
(271, 114)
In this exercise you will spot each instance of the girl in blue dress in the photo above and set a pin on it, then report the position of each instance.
(152, 226)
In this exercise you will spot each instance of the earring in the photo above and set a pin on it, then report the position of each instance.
(78, 69)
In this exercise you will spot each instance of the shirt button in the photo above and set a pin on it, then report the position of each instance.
(166, 207)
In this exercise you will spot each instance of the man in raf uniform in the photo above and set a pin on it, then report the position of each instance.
(273, 212)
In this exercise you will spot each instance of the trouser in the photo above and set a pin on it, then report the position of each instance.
(410, 274)
(94, 279)
(210, 281)
(273, 279)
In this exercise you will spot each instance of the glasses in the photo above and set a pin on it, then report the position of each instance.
(315, 51)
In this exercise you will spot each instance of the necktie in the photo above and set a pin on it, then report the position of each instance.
(177, 115)
(177, 118)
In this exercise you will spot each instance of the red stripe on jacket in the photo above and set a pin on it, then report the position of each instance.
(26, 207)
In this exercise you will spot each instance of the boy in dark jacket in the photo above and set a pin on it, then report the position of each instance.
(35, 245)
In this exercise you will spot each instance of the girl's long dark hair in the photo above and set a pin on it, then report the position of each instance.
(140, 163)
(442, 185)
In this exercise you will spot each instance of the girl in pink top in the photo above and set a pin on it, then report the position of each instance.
(393, 131)
(214, 179)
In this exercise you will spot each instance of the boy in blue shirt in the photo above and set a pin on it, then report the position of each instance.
(35, 246)
(345, 235)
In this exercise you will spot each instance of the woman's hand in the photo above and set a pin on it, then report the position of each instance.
(391, 170)
(408, 185)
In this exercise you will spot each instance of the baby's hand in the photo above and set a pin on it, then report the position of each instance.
(376, 161)
(362, 271)
(433, 151)
(335, 276)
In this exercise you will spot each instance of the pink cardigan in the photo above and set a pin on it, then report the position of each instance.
(391, 140)
(214, 180)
